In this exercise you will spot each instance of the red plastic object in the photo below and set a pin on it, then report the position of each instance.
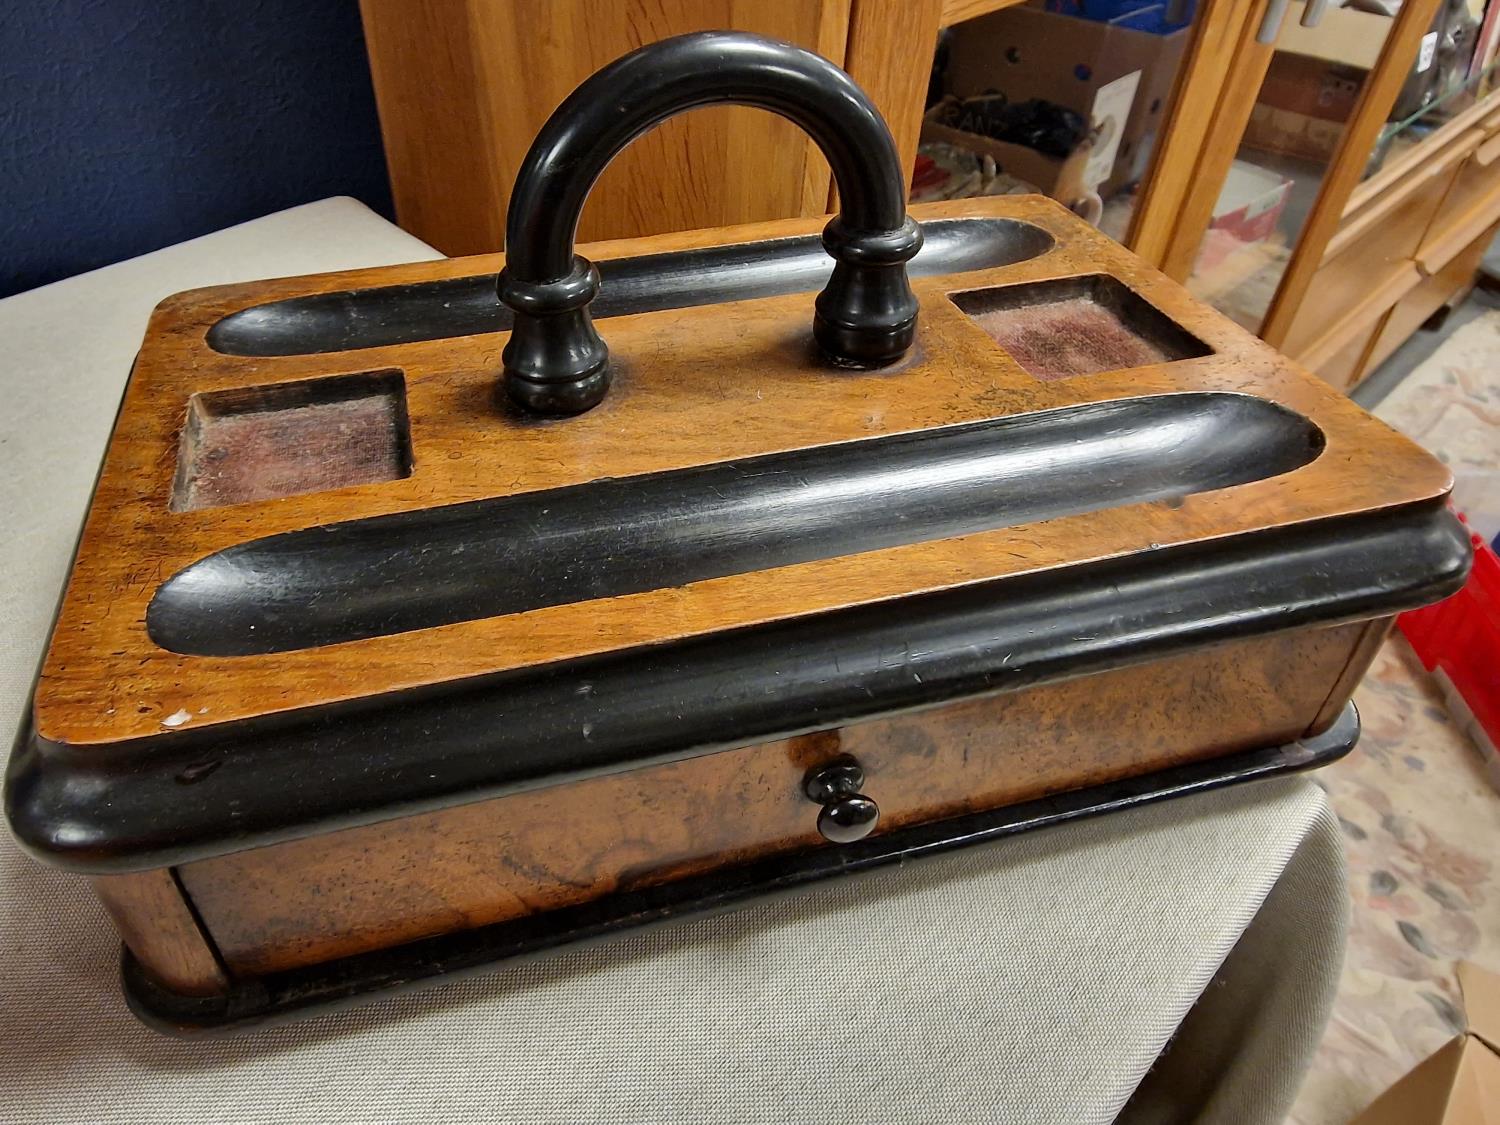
(1458, 639)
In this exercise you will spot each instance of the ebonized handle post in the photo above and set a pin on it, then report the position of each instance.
(555, 362)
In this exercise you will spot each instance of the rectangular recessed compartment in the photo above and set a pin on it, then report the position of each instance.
(1078, 326)
(284, 439)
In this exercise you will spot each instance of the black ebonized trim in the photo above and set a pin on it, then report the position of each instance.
(322, 988)
(351, 319)
(186, 795)
(486, 558)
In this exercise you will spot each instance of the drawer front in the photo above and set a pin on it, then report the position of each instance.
(1427, 298)
(1471, 207)
(367, 888)
(1347, 362)
(1354, 287)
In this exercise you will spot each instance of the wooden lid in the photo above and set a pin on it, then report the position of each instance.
(698, 385)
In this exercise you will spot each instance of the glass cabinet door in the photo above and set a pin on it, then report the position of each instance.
(1065, 97)
(1285, 159)
(1295, 134)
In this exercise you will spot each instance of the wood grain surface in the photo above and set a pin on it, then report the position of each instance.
(956, 11)
(154, 920)
(694, 386)
(368, 888)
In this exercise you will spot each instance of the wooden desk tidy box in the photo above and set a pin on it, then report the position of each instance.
(369, 672)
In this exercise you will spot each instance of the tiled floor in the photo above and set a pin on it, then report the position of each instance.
(1420, 817)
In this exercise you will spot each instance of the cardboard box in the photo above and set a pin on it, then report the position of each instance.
(1460, 1083)
(1313, 82)
(1249, 206)
(1119, 78)
(1288, 133)
(1063, 180)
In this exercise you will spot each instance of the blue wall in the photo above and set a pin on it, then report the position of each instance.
(127, 125)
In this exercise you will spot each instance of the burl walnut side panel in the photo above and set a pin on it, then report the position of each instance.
(367, 888)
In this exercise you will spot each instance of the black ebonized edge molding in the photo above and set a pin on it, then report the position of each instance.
(319, 989)
(186, 795)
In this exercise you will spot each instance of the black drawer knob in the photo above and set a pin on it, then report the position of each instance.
(847, 815)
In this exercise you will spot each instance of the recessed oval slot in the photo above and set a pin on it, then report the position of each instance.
(485, 558)
(468, 306)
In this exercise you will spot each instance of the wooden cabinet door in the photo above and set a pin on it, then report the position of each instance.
(464, 85)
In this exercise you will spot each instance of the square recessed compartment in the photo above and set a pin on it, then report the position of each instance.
(283, 439)
(1078, 326)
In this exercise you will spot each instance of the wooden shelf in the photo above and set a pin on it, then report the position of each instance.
(1483, 114)
(1362, 222)
(956, 11)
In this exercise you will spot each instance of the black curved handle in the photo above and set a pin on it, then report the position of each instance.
(555, 362)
